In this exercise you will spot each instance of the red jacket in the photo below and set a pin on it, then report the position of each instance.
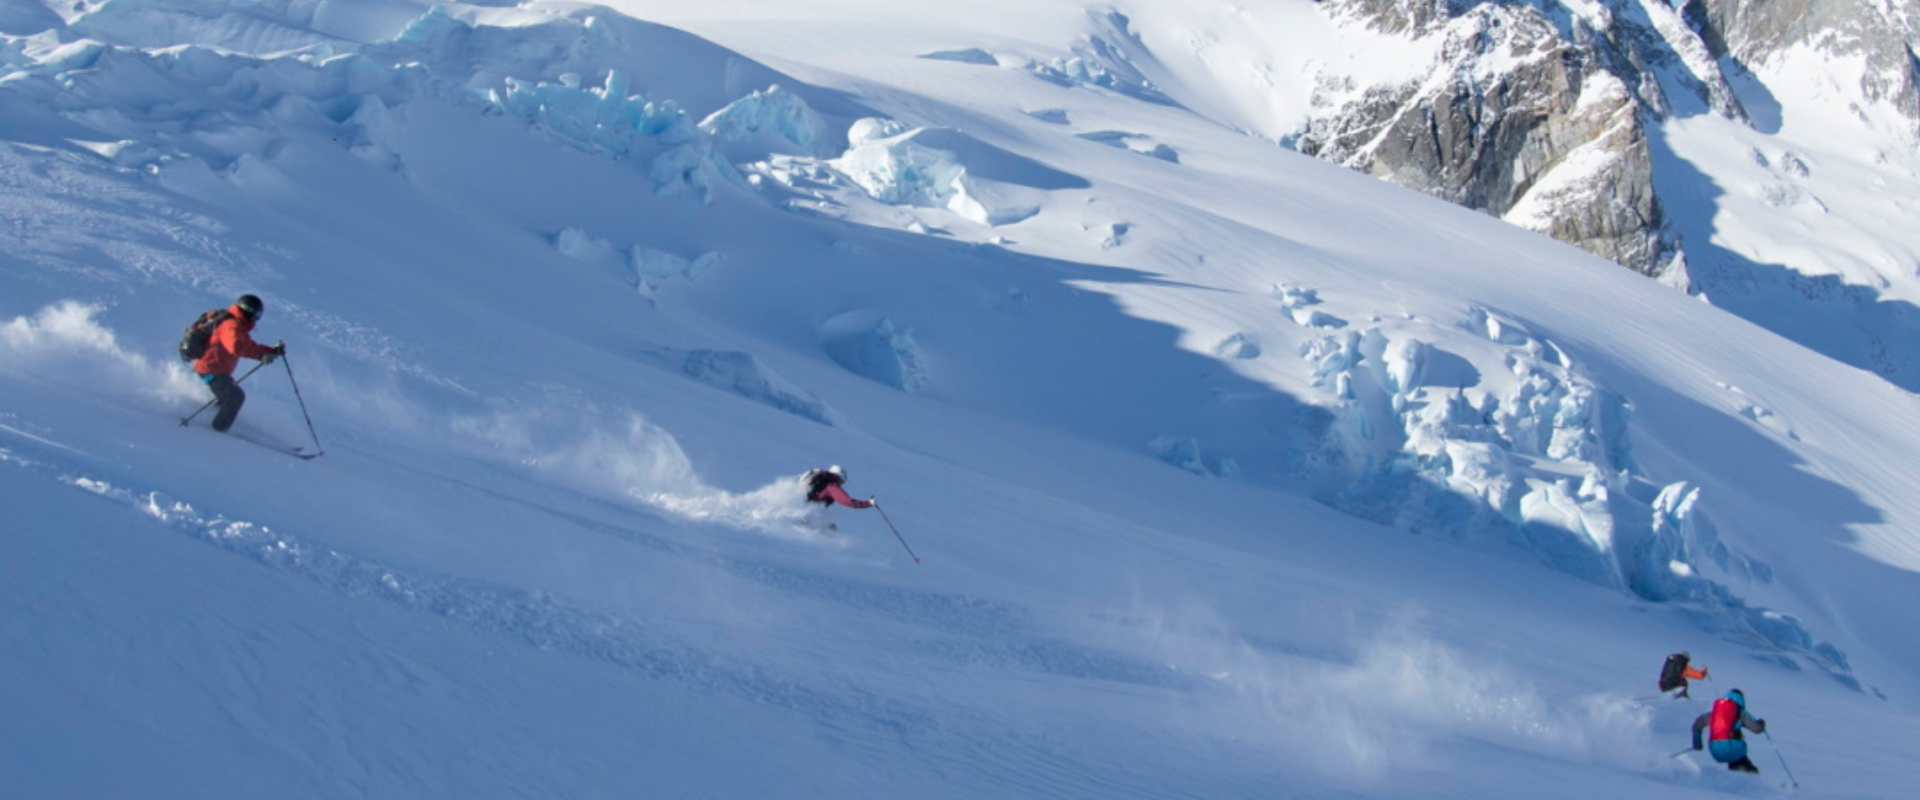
(230, 341)
(839, 495)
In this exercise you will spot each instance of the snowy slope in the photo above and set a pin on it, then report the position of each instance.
(1231, 472)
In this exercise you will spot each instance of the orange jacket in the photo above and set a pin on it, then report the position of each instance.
(230, 341)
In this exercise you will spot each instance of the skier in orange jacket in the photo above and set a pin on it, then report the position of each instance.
(231, 341)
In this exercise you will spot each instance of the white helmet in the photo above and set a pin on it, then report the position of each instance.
(838, 471)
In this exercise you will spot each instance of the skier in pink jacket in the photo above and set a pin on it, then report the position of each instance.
(823, 487)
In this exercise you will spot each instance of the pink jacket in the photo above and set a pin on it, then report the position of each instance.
(839, 495)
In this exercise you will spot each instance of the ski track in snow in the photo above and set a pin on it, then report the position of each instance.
(973, 630)
(537, 619)
(960, 629)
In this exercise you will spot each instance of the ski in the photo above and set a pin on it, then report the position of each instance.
(297, 451)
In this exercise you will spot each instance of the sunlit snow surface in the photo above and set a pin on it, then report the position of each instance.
(1231, 473)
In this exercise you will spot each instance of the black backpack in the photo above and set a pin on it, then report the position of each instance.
(193, 343)
(1673, 673)
(817, 483)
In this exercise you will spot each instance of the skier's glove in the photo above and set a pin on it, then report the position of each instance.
(271, 355)
(873, 501)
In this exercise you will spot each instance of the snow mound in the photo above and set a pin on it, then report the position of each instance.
(1239, 345)
(869, 345)
(652, 268)
(1298, 304)
(1184, 452)
(644, 269)
(1134, 143)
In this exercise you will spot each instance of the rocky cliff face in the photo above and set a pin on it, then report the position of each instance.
(1525, 87)
(1533, 113)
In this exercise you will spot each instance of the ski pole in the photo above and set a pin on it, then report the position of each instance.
(1783, 761)
(189, 417)
(319, 451)
(896, 531)
(1681, 753)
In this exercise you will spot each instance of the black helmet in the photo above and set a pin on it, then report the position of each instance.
(251, 305)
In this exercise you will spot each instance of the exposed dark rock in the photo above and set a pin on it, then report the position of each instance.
(1485, 138)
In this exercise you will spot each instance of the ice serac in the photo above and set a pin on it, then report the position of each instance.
(869, 344)
(763, 123)
(1526, 449)
(945, 168)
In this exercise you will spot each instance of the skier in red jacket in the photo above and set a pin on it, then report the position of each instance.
(1723, 725)
(231, 341)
